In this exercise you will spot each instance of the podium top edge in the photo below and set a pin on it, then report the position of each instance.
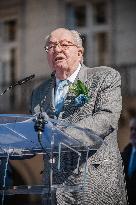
(16, 115)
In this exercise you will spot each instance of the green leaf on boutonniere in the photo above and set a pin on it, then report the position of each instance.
(79, 88)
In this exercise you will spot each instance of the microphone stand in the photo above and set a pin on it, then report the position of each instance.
(39, 128)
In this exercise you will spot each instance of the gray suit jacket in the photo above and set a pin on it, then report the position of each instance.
(105, 180)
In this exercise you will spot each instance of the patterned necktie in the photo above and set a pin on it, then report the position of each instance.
(132, 166)
(60, 95)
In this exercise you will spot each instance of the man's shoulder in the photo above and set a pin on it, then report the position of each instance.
(102, 72)
(38, 93)
(100, 69)
(42, 86)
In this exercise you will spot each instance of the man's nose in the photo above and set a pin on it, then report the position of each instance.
(57, 47)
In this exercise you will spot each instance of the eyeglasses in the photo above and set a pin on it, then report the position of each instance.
(63, 44)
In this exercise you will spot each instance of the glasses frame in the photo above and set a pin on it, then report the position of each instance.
(60, 43)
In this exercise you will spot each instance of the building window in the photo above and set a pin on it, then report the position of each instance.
(12, 74)
(13, 64)
(101, 48)
(100, 12)
(80, 16)
(76, 15)
(10, 30)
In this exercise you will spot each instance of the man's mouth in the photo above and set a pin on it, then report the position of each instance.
(59, 58)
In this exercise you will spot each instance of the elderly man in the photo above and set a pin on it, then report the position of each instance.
(97, 106)
(129, 159)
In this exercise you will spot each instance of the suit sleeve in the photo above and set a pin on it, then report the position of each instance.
(108, 105)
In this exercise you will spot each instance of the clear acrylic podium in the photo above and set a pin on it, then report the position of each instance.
(64, 156)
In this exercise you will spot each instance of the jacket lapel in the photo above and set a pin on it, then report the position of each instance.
(50, 107)
(69, 103)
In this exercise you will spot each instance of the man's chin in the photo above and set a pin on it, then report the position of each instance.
(61, 74)
(60, 65)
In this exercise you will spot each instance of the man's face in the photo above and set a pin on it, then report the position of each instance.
(133, 132)
(63, 55)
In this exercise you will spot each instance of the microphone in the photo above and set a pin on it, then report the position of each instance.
(24, 80)
(20, 82)
(39, 126)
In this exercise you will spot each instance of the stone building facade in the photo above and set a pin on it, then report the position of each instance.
(106, 26)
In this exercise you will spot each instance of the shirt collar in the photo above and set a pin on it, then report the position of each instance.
(71, 78)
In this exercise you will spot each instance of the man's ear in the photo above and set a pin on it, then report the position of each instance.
(80, 51)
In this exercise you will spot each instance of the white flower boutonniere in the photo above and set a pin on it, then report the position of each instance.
(81, 91)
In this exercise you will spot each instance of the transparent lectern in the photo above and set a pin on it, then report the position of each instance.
(65, 157)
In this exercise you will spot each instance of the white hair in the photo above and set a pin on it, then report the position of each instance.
(76, 37)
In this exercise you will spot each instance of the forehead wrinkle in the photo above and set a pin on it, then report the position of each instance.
(58, 41)
(61, 35)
